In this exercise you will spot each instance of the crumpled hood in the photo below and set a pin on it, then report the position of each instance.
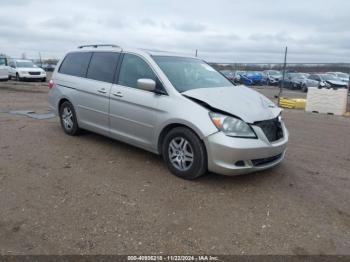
(336, 82)
(239, 101)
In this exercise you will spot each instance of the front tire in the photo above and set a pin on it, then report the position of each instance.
(18, 78)
(304, 88)
(184, 153)
(68, 119)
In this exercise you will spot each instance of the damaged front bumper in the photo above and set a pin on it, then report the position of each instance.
(235, 156)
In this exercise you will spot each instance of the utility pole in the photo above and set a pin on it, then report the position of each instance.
(284, 75)
(41, 62)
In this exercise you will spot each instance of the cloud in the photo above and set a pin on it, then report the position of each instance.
(223, 30)
(188, 27)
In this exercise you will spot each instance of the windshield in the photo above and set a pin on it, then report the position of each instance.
(190, 73)
(328, 77)
(25, 64)
(251, 73)
(275, 73)
(297, 75)
(343, 75)
(2, 61)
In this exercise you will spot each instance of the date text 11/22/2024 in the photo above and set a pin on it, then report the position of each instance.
(173, 258)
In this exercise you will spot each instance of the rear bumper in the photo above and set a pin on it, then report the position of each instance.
(235, 156)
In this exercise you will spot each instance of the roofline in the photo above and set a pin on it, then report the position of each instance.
(99, 45)
(150, 52)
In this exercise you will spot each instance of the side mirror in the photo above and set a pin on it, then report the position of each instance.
(146, 84)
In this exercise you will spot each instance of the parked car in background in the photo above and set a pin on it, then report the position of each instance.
(175, 106)
(238, 74)
(299, 81)
(251, 78)
(48, 67)
(233, 76)
(342, 76)
(271, 77)
(4, 73)
(25, 69)
(230, 75)
(328, 80)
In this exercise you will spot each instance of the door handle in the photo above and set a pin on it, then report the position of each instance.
(102, 91)
(119, 94)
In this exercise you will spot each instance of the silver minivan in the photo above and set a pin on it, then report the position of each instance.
(176, 106)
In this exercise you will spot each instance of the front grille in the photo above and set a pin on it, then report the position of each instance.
(265, 161)
(271, 128)
(34, 73)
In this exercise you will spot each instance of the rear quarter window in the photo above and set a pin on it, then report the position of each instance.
(75, 64)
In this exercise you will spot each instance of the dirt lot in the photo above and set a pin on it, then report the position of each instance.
(92, 195)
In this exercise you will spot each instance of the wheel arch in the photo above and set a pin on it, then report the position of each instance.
(166, 129)
(61, 101)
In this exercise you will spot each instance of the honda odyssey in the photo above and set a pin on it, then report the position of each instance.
(176, 106)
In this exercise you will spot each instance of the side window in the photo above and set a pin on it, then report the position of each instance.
(3, 61)
(103, 66)
(75, 64)
(134, 68)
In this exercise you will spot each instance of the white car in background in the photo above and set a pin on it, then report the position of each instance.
(25, 69)
(4, 74)
(342, 76)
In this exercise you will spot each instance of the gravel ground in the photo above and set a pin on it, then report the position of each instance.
(93, 195)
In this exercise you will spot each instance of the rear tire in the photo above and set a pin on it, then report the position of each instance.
(68, 119)
(184, 153)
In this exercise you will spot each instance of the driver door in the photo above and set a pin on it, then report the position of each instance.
(134, 112)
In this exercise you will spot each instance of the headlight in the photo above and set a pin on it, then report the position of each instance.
(23, 72)
(232, 126)
(327, 84)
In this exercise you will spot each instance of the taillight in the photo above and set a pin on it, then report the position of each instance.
(51, 84)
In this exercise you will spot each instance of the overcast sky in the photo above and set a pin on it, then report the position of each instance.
(222, 30)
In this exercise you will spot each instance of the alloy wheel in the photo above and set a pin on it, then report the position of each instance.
(181, 153)
(67, 118)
